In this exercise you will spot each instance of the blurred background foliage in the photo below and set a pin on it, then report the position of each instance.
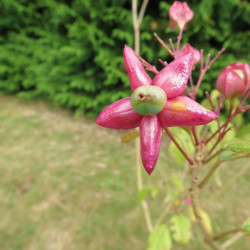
(70, 51)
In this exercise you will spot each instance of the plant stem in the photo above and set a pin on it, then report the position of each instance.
(233, 239)
(179, 39)
(228, 183)
(142, 11)
(136, 25)
(209, 174)
(195, 136)
(178, 146)
(226, 233)
(204, 70)
(194, 193)
(148, 66)
(214, 155)
(164, 45)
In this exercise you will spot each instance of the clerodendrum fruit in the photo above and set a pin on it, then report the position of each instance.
(148, 100)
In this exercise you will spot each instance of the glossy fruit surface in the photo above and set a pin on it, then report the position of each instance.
(148, 100)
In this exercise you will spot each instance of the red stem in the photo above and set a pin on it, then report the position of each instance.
(178, 146)
(195, 136)
(164, 45)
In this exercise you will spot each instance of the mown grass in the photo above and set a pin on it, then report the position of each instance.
(67, 184)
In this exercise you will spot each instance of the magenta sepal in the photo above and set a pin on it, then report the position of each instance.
(183, 111)
(137, 74)
(234, 80)
(173, 78)
(119, 115)
(180, 14)
(150, 136)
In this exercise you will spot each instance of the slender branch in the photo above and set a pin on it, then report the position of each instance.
(138, 165)
(164, 63)
(164, 45)
(148, 66)
(202, 58)
(233, 239)
(172, 45)
(179, 39)
(226, 233)
(214, 155)
(209, 174)
(236, 158)
(191, 82)
(210, 100)
(163, 214)
(244, 98)
(220, 138)
(199, 83)
(142, 11)
(216, 57)
(228, 183)
(178, 146)
(247, 107)
(207, 61)
(140, 186)
(195, 135)
(194, 193)
(205, 69)
(213, 108)
(136, 25)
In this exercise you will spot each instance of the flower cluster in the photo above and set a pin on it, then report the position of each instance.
(155, 104)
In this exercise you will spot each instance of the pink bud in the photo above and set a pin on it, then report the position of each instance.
(180, 14)
(234, 80)
(188, 201)
(186, 49)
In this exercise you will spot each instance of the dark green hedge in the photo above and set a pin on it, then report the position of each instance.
(71, 51)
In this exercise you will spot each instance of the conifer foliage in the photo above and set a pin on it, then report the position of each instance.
(71, 51)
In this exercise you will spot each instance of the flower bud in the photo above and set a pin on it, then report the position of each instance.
(186, 49)
(180, 14)
(234, 80)
(148, 100)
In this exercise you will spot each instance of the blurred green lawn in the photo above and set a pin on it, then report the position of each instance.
(68, 184)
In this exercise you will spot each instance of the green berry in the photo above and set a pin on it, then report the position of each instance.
(148, 100)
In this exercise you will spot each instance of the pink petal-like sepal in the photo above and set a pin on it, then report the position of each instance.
(173, 78)
(234, 80)
(187, 48)
(137, 75)
(180, 14)
(150, 134)
(119, 115)
(183, 111)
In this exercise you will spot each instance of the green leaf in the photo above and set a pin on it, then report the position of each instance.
(142, 195)
(226, 154)
(176, 153)
(160, 239)
(242, 146)
(130, 136)
(154, 191)
(244, 132)
(246, 226)
(181, 229)
(205, 217)
(182, 137)
(178, 183)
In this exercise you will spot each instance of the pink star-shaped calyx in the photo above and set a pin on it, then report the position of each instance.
(179, 110)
